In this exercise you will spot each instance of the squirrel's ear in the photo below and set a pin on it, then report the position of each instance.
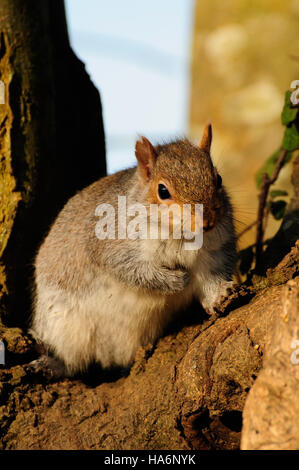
(206, 140)
(146, 157)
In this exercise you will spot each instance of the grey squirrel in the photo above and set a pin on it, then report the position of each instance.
(99, 300)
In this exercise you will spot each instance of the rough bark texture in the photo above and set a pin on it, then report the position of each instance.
(271, 413)
(51, 137)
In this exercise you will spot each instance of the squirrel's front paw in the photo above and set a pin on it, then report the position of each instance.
(217, 302)
(178, 280)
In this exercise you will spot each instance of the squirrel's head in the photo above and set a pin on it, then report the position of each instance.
(182, 173)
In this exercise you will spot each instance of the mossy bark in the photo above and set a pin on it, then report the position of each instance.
(51, 137)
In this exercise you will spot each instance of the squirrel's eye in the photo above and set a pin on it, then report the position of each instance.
(163, 192)
(218, 181)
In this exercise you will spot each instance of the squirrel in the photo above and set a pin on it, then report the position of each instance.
(99, 300)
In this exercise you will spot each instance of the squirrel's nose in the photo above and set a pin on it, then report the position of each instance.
(207, 225)
(208, 222)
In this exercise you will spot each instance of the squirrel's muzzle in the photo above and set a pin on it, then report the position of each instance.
(209, 221)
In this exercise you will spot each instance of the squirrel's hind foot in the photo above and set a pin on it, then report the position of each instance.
(50, 367)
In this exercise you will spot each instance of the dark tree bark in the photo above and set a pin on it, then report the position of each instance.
(51, 137)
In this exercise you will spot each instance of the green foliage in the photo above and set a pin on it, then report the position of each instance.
(275, 205)
(277, 192)
(290, 119)
(289, 112)
(290, 141)
(269, 165)
(277, 208)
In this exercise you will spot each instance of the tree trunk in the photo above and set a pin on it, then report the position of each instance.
(51, 137)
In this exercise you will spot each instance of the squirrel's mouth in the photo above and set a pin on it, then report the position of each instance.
(208, 223)
(211, 217)
(208, 228)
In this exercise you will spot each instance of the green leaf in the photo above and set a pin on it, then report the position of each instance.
(289, 118)
(289, 112)
(269, 165)
(277, 209)
(290, 140)
(278, 192)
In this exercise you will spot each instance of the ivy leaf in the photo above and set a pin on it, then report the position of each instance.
(277, 209)
(290, 140)
(269, 165)
(289, 112)
(278, 192)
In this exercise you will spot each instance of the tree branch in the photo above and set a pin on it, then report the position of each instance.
(266, 183)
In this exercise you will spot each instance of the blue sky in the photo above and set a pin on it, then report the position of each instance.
(137, 54)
